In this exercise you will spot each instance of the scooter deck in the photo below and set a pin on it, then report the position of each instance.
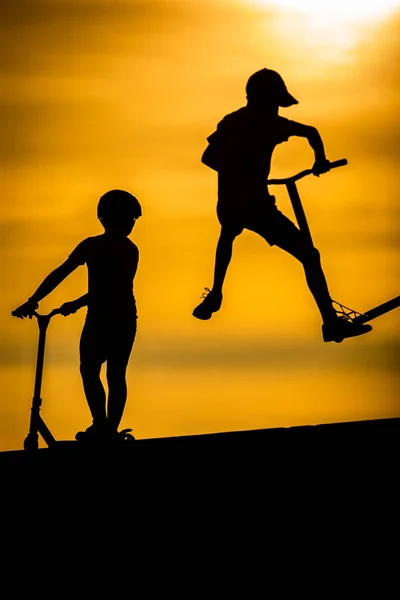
(377, 311)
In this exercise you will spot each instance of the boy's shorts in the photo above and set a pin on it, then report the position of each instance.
(264, 219)
(104, 340)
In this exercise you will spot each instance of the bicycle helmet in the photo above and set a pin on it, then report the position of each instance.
(118, 204)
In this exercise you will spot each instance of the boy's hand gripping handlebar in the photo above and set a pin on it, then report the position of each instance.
(55, 311)
(337, 163)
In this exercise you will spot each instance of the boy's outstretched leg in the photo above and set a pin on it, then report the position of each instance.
(213, 298)
(334, 327)
(288, 237)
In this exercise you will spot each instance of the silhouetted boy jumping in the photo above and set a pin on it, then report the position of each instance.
(240, 150)
(110, 326)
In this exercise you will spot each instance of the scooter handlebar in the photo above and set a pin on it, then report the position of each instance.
(333, 165)
(55, 311)
(339, 163)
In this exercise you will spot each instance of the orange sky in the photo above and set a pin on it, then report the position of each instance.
(97, 95)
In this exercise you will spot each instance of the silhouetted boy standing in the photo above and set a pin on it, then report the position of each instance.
(110, 326)
(240, 150)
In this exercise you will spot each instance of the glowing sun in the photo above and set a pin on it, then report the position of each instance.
(352, 10)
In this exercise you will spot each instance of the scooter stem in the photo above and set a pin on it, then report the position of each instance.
(299, 211)
(43, 322)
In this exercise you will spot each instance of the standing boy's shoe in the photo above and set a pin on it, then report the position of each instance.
(211, 303)
(340, 328)
(93, 434)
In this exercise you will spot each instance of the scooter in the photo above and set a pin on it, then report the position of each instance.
(37, 425)
(344, 311)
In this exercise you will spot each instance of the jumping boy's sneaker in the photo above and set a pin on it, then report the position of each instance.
(211, 303)
(341, 328)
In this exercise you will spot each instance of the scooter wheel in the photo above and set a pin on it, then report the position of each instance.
(126, 436)
(31, 442)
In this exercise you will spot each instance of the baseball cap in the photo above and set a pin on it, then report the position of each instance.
(267, 84)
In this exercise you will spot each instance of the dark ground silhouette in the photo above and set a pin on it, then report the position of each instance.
(360, 440)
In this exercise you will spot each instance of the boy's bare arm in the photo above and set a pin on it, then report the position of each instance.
(313, 137)
(53, 280)
(45, 288)
(82, 301)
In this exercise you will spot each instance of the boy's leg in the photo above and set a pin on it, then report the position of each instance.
(213, 299)
(223, 256)
(120, 347)
(283, 233)
(315, 277)
(91, 360)
(90, 367)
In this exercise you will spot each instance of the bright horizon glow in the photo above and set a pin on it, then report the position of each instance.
(356, 10)
(330, 27)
